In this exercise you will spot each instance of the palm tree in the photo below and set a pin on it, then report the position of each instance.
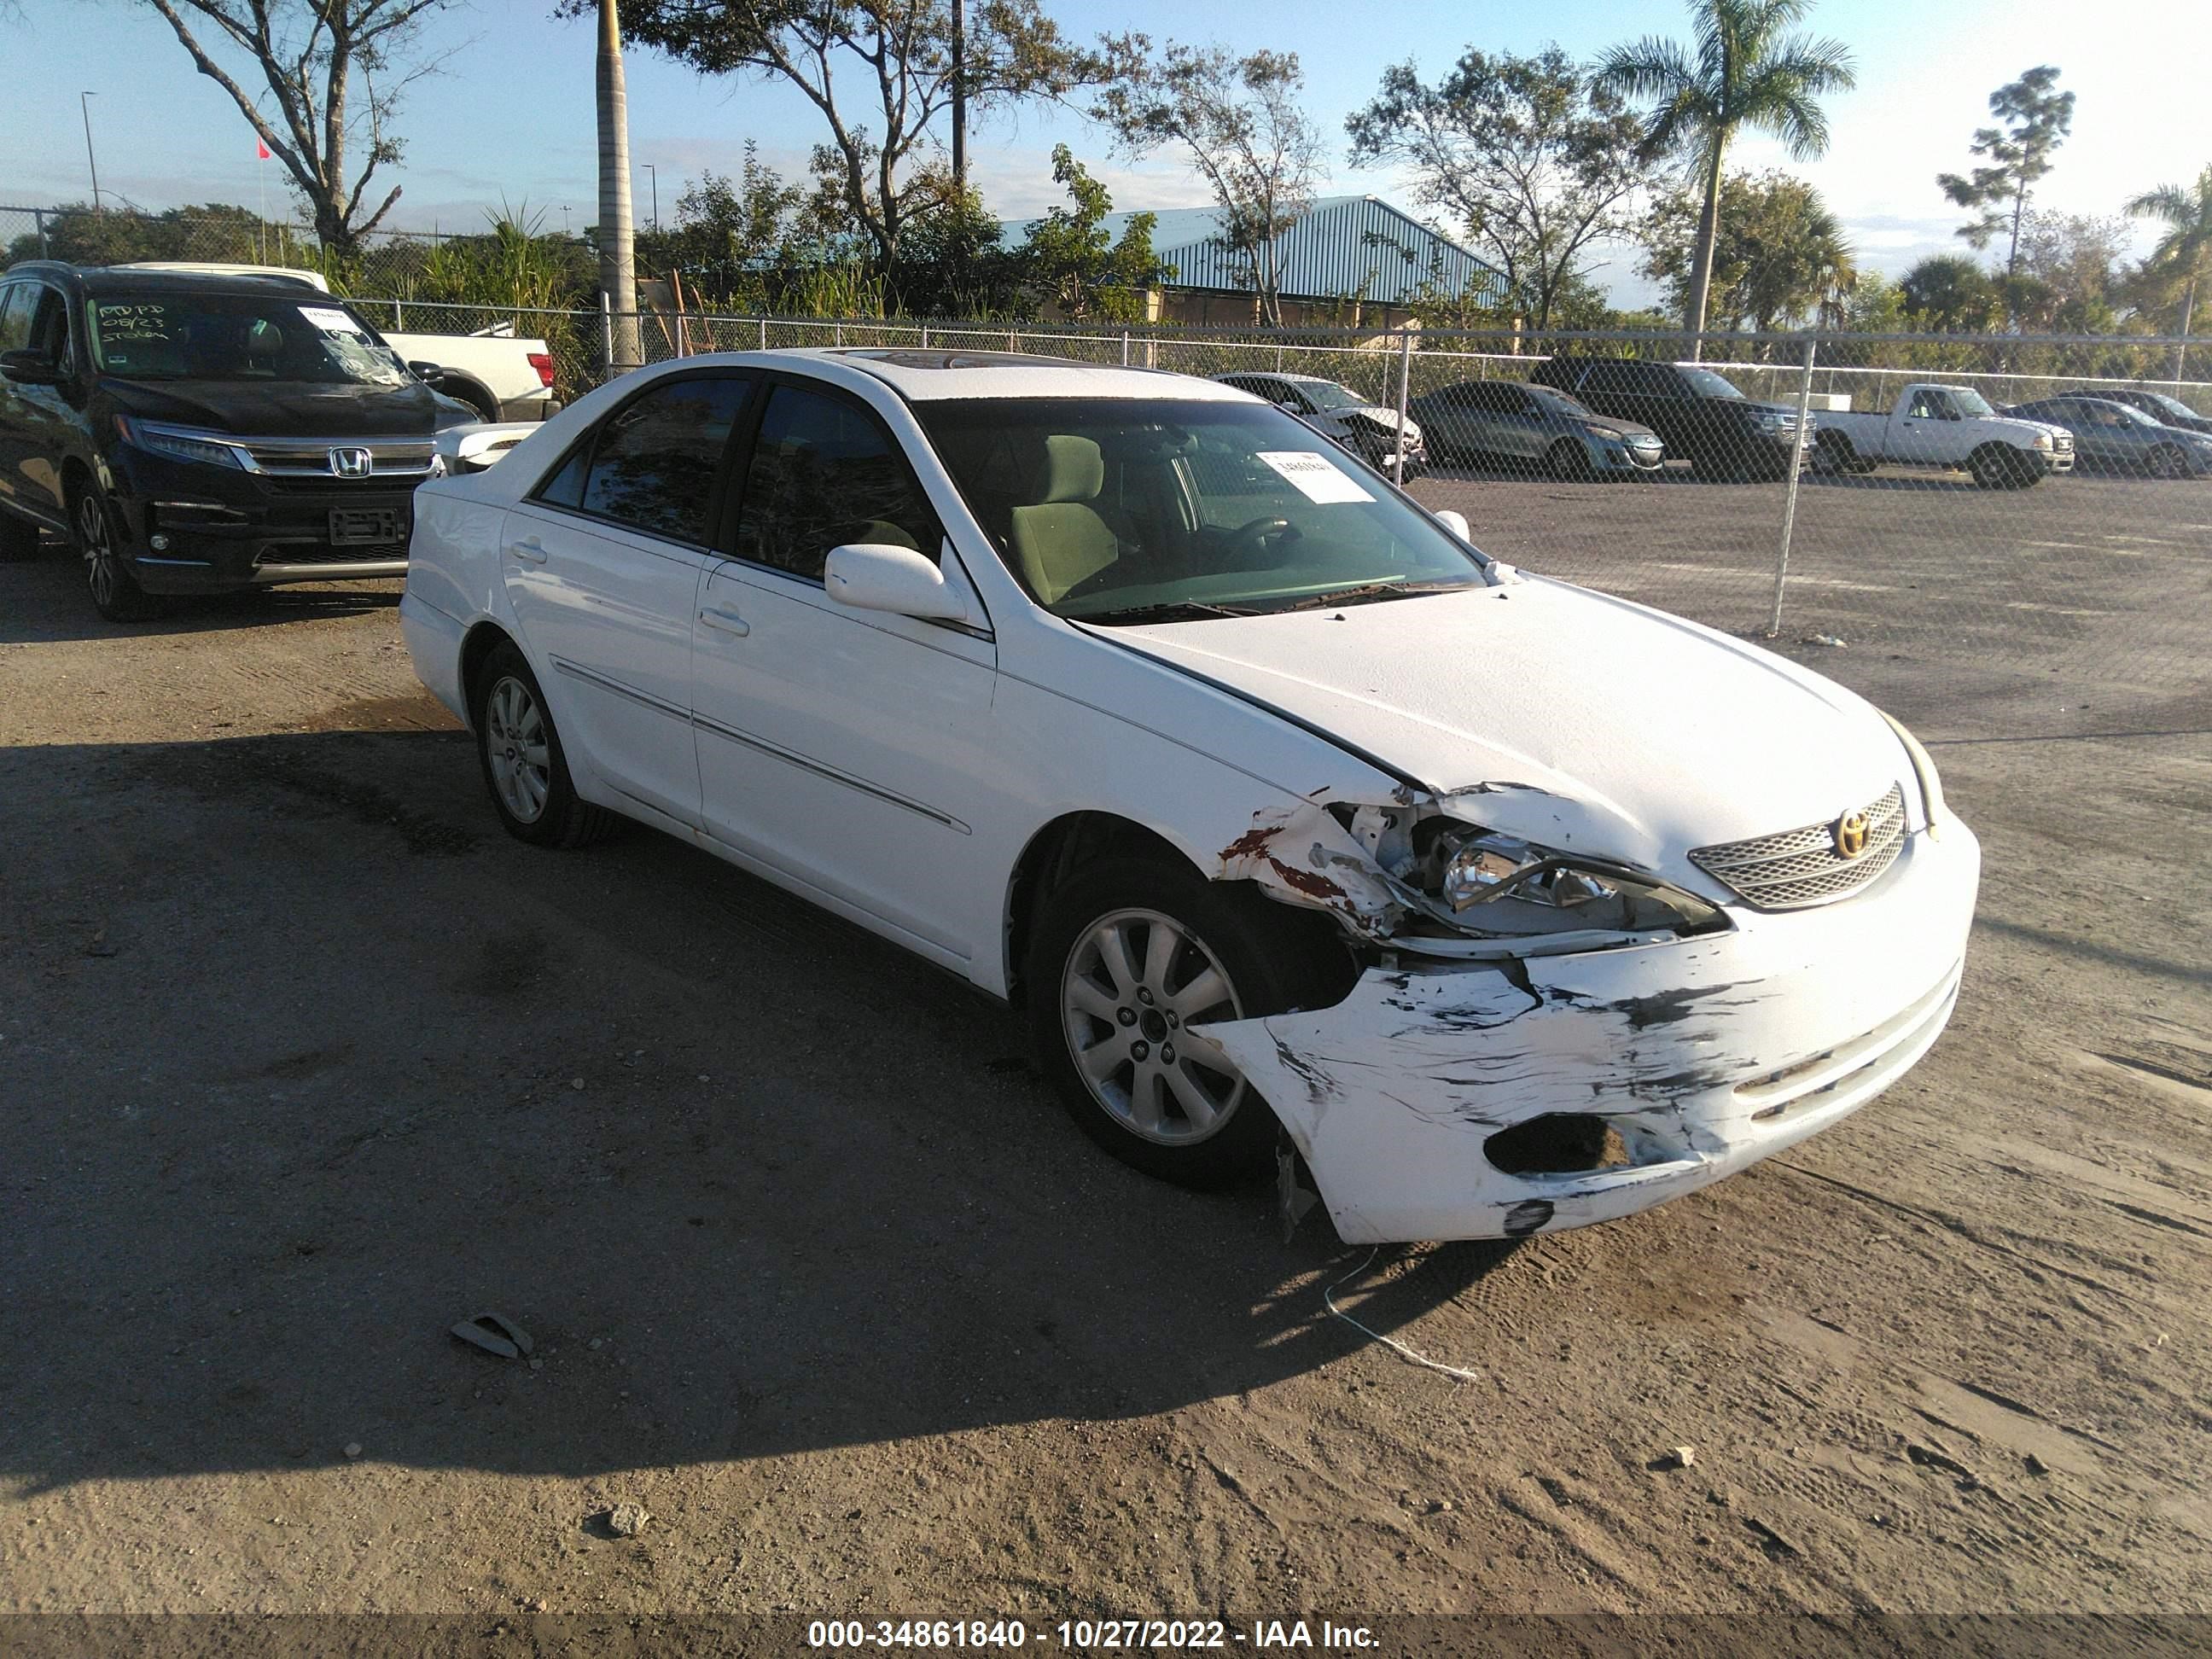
(1743, 71)
(617, 261)
(2186, 248)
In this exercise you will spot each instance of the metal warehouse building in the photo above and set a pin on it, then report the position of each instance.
(1353, 261)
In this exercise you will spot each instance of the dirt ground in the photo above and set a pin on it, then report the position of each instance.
(302, 1061)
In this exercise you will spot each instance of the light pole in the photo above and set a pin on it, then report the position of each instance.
(85, 107)
(655, 172)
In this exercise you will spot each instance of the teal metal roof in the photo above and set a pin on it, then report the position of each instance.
(1348, 245)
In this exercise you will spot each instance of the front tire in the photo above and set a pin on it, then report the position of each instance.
(1127, 958)
(524, 770)
(108, 577)
(2167, 462)
(1567, 461)
(1996, 468)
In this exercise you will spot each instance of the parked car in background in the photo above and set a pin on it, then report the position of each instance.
(2160, 407)
(1507, 421)
(2116, 438)
(1951, 426)
(501, 375)
(1278, 807)
(1699, 414)
(474, 448)
(1369, 430)
(193, 433)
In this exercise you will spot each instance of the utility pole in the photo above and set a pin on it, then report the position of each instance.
(959, 94)
(83, 104)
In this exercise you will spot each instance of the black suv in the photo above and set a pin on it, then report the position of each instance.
(1701, 418)
(193, 433)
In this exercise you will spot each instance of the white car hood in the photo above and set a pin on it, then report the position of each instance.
(1564, 716)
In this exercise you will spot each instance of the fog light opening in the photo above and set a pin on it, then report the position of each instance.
(1557, 1143)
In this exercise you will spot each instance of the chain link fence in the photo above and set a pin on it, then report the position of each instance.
(2026, 522)
(2023, 524)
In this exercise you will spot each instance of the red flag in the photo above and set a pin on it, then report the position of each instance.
(260, 149)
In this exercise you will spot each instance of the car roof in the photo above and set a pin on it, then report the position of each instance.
(121, 279)
(934, 374)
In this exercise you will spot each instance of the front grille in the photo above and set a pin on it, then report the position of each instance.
(293, 460)
(1798, 867)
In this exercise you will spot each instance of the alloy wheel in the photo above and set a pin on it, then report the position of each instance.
(102, 573)
(1135, 983)
(2167, 462)
(516, 751)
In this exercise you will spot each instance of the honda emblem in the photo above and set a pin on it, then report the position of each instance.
(352, 463)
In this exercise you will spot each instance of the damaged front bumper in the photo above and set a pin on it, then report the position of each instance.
(1701, 1054)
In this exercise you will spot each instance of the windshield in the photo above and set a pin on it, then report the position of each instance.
(2129, 414)
(1326, 394)
(1564, 404)
(1706, 384)
(218, 337)
(1125, 510)
(2173, 407)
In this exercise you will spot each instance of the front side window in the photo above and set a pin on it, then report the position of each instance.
(651, 465)
(237, 338)
(16, 302)
(824, 474)
(1113, 509)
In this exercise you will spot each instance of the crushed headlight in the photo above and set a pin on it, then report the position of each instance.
(1478, 881)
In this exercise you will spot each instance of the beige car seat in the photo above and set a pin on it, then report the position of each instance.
(1061, 540)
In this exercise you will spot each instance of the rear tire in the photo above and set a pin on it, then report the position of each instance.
(108, 577)
(524, 770)
(1123, 953)
(2165, 462)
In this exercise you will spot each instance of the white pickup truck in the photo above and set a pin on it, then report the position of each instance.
(1949, 427)
(502, 376)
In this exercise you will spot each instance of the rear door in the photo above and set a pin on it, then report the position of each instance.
(16, 300)
(43, 420)
(850, 750)
(603, 565)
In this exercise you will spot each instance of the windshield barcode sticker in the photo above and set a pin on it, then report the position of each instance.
(330, 321)
(1316, 477)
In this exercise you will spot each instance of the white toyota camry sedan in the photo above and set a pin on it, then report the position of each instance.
(1284, 814)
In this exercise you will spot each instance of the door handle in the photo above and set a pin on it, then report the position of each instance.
(728, 621)
(529, 548)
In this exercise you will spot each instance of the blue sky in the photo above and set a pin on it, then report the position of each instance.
(509, 115)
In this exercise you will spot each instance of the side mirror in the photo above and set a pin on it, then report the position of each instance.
(429, 372)
(1456, 523)
(877, 576)
(29, 369)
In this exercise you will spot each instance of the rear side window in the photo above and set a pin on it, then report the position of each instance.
(651, 465)
(824, 474)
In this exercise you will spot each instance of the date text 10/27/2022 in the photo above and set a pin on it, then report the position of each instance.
(1089, 1635)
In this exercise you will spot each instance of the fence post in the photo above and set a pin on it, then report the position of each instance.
(1801, 457)
(925, 336)
(607, 333)
(39, 218)
(399, 318)
(1011, 345)
(763, 346)
(1125, 348)
(1405, 388)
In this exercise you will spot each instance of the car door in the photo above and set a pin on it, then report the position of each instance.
(1920, 439)
(1458, 419)
(16, 301)
(43, 420)
(603, 564)
(849, 750)
(1519, 423)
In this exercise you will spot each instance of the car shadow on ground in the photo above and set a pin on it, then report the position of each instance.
(44, 599)
(305, 1061)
